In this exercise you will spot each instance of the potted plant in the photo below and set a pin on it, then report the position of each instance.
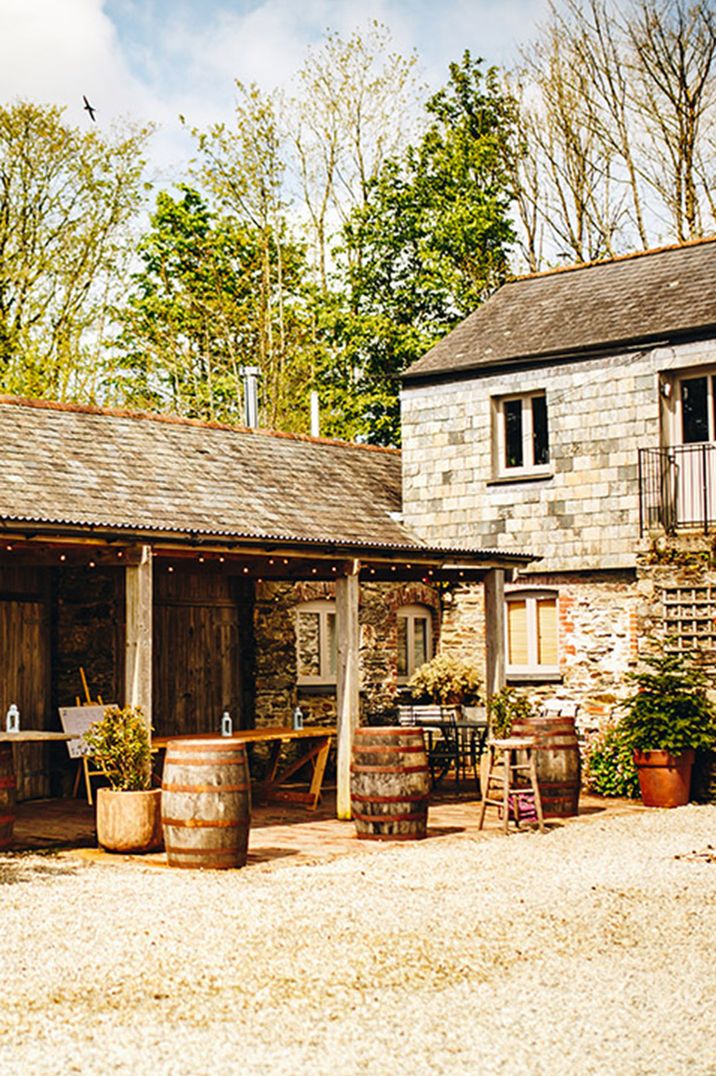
(445, 681)
(505, 707)
(129, 811)
(665, 721)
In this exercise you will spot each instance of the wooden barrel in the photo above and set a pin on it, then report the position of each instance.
(206, 803)
(390, 784)
(8, 793)
(557, 758)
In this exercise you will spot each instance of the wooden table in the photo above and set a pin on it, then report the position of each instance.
(315, 739)
(7, 739)
(35, 736)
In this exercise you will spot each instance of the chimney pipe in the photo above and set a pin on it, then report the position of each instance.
(315, 415)
(251, 374)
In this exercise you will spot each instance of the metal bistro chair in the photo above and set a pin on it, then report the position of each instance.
(443, 750)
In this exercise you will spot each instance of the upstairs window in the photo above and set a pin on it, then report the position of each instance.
(415, 639)
(316, 642)
(532, 635)
(698, 409)
(522, 434)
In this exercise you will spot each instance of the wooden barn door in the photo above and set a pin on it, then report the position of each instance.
(199, 628)
(25, 669)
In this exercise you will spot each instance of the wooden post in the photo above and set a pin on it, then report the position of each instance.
(138, 636)
(494, 584)
(347, 685)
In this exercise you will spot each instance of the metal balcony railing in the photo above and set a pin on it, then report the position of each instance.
(677, 488)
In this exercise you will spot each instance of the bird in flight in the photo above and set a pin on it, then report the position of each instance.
(88, 108)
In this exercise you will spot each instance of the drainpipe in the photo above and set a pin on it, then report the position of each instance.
(251, 374)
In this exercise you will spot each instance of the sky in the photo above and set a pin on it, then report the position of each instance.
(154, 60)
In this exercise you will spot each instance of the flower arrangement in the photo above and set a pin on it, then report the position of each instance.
(120, 745)
(445, 681)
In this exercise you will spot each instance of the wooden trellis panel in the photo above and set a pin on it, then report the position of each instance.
(689, 619)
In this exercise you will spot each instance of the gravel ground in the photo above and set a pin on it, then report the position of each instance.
(587, 950)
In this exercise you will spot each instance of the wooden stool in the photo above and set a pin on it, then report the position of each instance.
(510, 766)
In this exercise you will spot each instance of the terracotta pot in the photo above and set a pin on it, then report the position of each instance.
(129, 821)
(664, 779)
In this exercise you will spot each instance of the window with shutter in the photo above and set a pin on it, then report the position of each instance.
(532, 636)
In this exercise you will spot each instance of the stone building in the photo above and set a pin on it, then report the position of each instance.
(574, 415)
(192, 567)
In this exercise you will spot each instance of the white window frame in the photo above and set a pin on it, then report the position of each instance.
(411, 613)
(323, 607)
(532, 668)
(529, 467)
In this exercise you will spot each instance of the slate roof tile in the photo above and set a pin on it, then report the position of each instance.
(648, 296)
(86, 466)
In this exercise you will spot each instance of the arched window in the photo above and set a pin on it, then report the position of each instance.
(316, 642)
(415, 639)
(531, 628)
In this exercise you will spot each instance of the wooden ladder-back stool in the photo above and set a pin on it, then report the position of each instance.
(510, 794)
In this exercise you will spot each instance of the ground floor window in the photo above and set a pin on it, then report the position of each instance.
(316, 642)
(415, 639)
(532, 635)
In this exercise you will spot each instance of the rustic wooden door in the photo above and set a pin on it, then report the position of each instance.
(25, 669)
(197, 653)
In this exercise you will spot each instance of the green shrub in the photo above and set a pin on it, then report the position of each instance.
(119, 743)
(506, 706)
(609, 768)
(670, 710)
(446, 681)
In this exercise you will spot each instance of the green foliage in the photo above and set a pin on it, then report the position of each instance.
(446, 681)
(67, 199)
(120, 745)
(428, 246)
(609, 764)
(670, 710)
(504, 708)
(195, 316)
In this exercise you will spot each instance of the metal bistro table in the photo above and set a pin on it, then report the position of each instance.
(8, 783)
(460, 745)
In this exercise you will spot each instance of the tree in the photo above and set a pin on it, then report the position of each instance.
(243, 169)
(618, 114)
(673, 50)
(432, 242)
(355, 108)
(196, 315)
(66, 203)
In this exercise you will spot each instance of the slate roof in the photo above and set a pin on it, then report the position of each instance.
(656, 295)
(81, 467)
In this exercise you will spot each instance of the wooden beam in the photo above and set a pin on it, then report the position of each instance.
(138, 638)
(347, 680)
(494, 631)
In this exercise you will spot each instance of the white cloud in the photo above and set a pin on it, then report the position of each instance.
(154, 59)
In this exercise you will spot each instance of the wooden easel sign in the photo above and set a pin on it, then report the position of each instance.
(77, 720)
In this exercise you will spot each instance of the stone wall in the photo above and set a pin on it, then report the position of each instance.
(585, 514)
(277, 691)
(677, 594)
(88, 631)
(598, 633)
